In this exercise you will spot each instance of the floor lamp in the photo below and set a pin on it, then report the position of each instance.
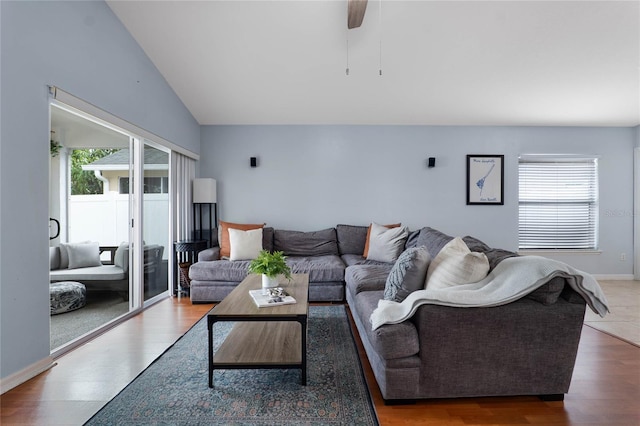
(204, 194)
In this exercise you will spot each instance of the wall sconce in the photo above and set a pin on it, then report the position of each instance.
(431, 162)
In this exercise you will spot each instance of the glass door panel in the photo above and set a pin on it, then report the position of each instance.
(155, 220)
(85, 200)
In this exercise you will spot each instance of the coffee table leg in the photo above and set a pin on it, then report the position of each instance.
(210, 323)
(303, 324)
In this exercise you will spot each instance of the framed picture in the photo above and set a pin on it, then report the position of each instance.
(485, 179)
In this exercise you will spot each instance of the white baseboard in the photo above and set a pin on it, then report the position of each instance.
(614, 277)
(18, 378)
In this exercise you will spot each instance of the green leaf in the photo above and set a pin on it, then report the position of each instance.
(270, 264)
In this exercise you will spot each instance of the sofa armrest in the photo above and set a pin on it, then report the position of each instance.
(212, 253)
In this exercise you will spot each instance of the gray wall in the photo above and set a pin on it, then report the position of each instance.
(84, 49)
(311, 177)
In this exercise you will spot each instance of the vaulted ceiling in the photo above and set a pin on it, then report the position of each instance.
(559, 63)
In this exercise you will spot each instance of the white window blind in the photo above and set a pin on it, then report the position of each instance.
(558, 203)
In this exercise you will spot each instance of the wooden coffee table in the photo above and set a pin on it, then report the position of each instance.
(262, 337)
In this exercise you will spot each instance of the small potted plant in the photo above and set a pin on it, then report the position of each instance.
(270, 265)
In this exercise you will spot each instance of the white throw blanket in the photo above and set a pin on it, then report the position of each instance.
(510, 280)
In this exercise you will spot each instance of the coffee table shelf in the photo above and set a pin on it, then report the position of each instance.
(269, 337)
(262, 343)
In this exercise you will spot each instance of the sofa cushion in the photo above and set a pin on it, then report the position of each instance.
(212, 253)
(351, 239)
(494, 255)
(408, 274)
(267, 238)
(245, 245)
(91, 273)
(314, 243)
(391, 341)
(548, 293)
(456, 265)
(223, 237)
(219, 270)
(367, 277)
(83, 255)
(320, 268)
(433, 240)
(54, 258)
(386, 244)
(412, 239)
(121, 257)
(357, 259)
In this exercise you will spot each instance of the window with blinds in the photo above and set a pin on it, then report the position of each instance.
(558, 203)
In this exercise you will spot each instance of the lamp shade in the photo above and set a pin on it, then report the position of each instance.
(204, 191)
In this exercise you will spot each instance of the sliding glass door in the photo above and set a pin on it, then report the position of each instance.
(108, 188)
(155, 220)
(91, 218)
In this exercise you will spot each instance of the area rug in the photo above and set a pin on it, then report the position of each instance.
(174, 389)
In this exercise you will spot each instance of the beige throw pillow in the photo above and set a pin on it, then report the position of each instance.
(245, 245)
(223, 235)
(455, 264)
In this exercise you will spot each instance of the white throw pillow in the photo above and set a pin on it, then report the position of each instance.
(83, 255)
(455, 264)
(385, 245)
(245, 245)
(64, 253)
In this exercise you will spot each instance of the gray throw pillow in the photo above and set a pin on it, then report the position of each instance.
(386, 244)
(408, 274)
(83, 255)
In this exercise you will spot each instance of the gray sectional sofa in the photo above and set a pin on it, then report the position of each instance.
(526, 347)
(318, 253)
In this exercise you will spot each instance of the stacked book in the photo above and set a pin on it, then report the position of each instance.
(271, 297)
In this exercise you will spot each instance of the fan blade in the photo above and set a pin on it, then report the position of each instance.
(356, 9)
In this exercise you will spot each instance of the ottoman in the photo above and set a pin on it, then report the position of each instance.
(67, 296)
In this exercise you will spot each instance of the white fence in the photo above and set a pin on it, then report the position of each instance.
(105, 218)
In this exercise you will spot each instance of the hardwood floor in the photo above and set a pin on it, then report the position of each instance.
(605, 389)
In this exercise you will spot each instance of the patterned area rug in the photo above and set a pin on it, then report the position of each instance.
(174, 389)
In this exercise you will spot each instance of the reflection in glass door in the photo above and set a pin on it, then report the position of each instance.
(155, 211)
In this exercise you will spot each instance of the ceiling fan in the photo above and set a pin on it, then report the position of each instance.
(355, 13)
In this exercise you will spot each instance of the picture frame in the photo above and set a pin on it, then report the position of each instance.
(485, 179)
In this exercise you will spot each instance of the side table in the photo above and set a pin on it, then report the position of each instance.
(185, 252)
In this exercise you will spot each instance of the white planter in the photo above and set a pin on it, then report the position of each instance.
(269, 282)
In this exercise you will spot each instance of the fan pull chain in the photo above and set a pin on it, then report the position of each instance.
(347, 37)
(347, 69)
(380, 25)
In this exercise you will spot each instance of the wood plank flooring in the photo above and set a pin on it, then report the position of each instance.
(605, 389)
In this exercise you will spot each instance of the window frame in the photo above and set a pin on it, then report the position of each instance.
(563, 201)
